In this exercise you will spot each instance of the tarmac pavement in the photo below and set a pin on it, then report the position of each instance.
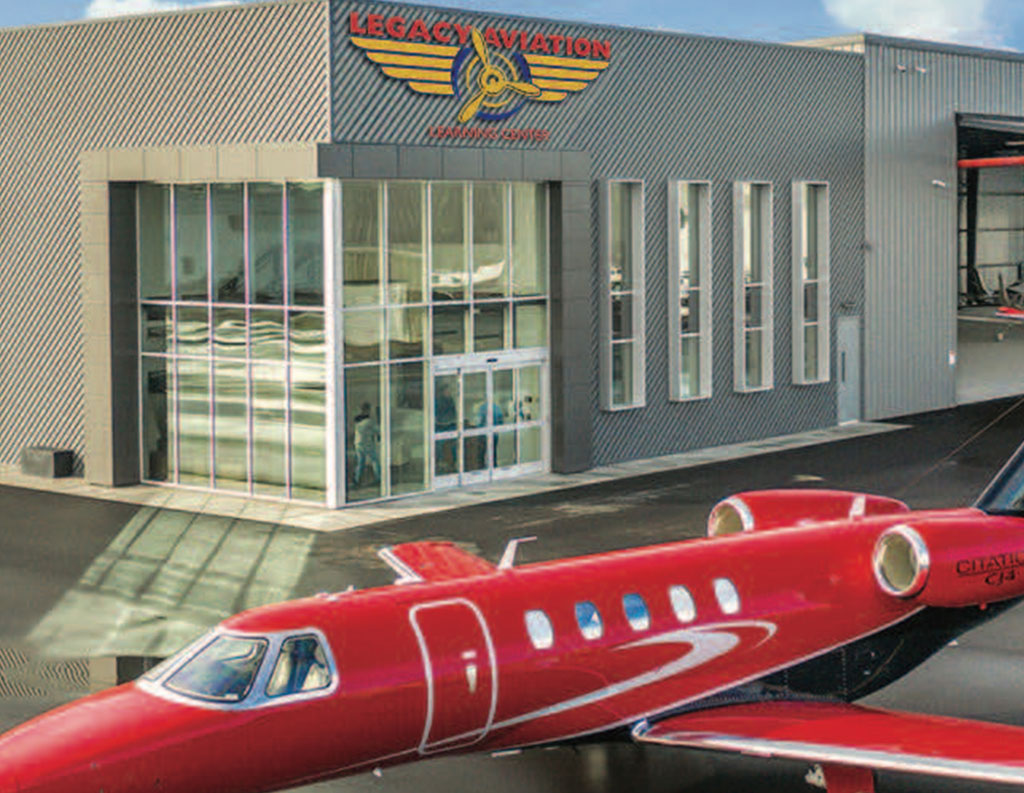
(81, 578)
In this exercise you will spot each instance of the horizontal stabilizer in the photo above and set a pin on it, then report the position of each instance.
(433, 561)
(851, 735)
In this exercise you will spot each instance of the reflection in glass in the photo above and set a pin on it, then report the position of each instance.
(154, 241)
(689, 311)
(529, 445)
(363, 400)
(266, 243)
(446, 453)
(448, 240)
(622, 373)
(689, 366)
(489, 326)
(266, 331)
(363, 330)
(406, 252)
(528, 404)
(408, 428)
(268, 429)
(229, 333)
(503, 394)
(360, 214)
(754, 198)
(809, 238)
(755, 372)
(157, 419)
(306, 244)
(227, 202)
(231, 427)
(309, 433)
(754, 317)
(810, 302)
(407, 332)
(193, 336)
(531, 324)
(621, 236)
(490, 238)
(446, 401)
(156, 329)
(190, 241)
(474, 452)
(504, 453)
(450, 329)
(306, 337)
(529, 239)
(194, 422)
(811, 352)
(474, 400)
(622, 316)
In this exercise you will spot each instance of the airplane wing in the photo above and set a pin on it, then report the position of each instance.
(433, 561)
(851, 736)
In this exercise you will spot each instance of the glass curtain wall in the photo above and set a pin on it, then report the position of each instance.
(233, 370)
(429, 269)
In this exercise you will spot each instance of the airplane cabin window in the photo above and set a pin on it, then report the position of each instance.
(727, 596)
(636, 612)
(682, 603)
(222, 671)
(301, 666)
(589, 620)
(538, 626)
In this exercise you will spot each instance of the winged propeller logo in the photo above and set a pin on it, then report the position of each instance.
(491, 73)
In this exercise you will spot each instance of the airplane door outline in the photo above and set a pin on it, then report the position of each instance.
(473, 671)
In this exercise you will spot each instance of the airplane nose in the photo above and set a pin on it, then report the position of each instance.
(105, 741)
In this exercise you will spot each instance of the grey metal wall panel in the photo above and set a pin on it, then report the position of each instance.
(255, 73)
(670, 106)
(913, 93)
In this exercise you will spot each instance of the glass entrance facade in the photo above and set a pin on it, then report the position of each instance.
(432, 272)
(293, 336)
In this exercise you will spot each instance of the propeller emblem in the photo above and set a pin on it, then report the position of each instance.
(493, 81)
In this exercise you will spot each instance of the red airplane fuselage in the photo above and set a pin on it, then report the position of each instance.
(452, 665)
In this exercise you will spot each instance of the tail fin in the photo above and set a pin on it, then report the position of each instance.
(1004, 495)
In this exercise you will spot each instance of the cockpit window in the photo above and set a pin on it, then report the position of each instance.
(301, 666)
(221, 672)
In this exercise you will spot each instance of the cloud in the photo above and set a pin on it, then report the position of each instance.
(117, 8)
(938, 20)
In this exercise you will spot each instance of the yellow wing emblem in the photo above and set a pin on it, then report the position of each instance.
(492, 85)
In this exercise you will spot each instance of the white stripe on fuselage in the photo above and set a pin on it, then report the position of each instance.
(706, 643)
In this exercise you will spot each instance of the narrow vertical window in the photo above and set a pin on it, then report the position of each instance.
(811, 320)
(622, 314)
(689, 289)
(752, 286)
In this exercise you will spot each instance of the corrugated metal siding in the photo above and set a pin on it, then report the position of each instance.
(912, 97)
(249, 73)
(674, 107)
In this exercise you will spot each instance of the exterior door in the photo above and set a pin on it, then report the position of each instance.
(460, 670)
(848, 366)
(489, 419)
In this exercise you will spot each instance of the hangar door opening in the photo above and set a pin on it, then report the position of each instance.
(990, 304)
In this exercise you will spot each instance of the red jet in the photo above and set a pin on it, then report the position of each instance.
(754, 640)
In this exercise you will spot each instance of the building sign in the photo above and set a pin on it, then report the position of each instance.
(491, 73)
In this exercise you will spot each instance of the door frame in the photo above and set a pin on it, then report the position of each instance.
(489, 363)
(426, 747)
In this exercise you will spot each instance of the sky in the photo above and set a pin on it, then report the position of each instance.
(986, 23)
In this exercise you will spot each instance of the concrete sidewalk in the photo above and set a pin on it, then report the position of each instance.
(323, 519)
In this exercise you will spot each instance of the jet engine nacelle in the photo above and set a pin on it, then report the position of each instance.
(970, 559)
(776, 509)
